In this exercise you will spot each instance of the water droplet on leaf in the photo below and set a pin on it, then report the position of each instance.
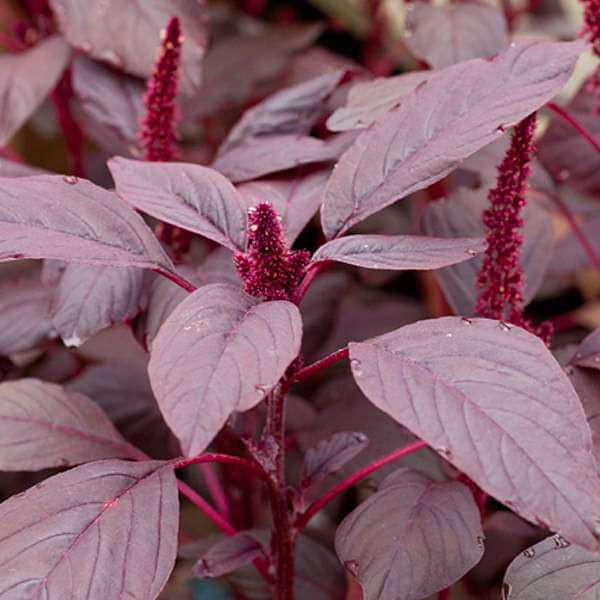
(448, 335)
(506, 590)
(70, 179)
(352, 567)
(355, 365)
(529, 553)
(471, 252)
(560, 542)
(504, 326)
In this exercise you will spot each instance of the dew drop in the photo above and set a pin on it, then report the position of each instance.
(506, 590)
(471, 252)
(251, 210)
(352, 567)
(529, 553)
(480, 540)
(70, 179)
(560, 542)
(466, 321)
(445, 452)
(504, 326)
(355, 365)
(261, 391)
(448, 335)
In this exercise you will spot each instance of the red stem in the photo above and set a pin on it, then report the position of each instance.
(311, 273)
(215, 489)
(219, 520)
(225, 459)
(575, 124)
(188, 286)
(341, 487)
(315, 367)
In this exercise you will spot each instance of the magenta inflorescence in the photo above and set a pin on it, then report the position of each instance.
(158, 134)
(501, 277)
(269, 268)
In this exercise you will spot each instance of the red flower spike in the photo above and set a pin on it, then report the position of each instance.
(501, 276)
(158, 135)
(269, 268)
(591, 23)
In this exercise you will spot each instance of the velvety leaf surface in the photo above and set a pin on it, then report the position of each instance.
(553, 568)
(492, 400)
(412, 538)
(42, 425)
(399, 252)
(127, 35)
(296, 197)
(330, 455)
(588, 353)
(110, 104)
(293, 110)
(26, 78)
(114, 534)
(89, 299)
(446, 35)
(460, 215)
(73, 220)
(368, 100)
(228, 554)
(24, 315)
(190, 196)
(442, 122)
(220, 350)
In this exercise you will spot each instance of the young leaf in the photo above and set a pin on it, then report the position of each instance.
(460, 215)
(111, 105)
(330, 455)
(368, 100)
(412, 538)
(227, 555)
(293, 110)
(491, 399)
(399, 252)
(42, 425)
(76, 221)
(26, 78)
(127, 35)
(189, 196)
(445, 120)
(553, 568)
(107, 529)
(219, 351)
(24, 310)
(446, 35)
(90, 298)
(296, 197)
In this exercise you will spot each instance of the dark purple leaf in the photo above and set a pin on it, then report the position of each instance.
(491, 399)
(26, 78)
(587, 384)
(219, 351)
(265, 156)
(127, 35)
(189, 196)
(460, 215)
(412, 538)
(227, 555)
(368, 100)
(110, 105)
(588, 353)
(293, 110)
(89, 299)
(553, 568)
(330, 455)
(399, 252)
(569, 255)
(24, 314)
(105, 530)
(445, 35)
(43, 425)
(296, 197)
(73, 220)
(10, 168)
(445, 120)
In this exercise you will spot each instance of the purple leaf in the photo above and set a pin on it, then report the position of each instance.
(553, 568)
(227, 555)
(110, 104)
(445, 120)
(219, 351)
(569, 255)
(368, 100)
(330, 455)
(445, 35)
(460, 215)
(26, 78)
(73, 220)
(127, 36)
(296, 197)
(587, 384)
(10, 168)
(265, 156)
(293, 110)
(588, 353)
(491, 399)
(189, 196)
(89, 299)
(399, 252)
(24, 310)
(106, 530)
(412, 538)
(43, 425)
